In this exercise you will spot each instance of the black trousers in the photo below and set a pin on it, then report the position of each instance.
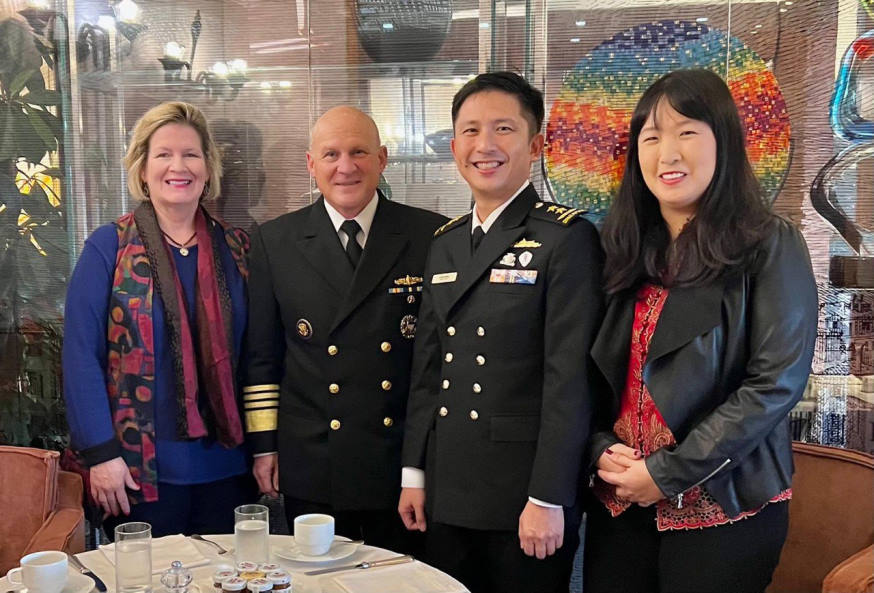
(196, 508)
(627, 554)
(492, 561)
(380, 528)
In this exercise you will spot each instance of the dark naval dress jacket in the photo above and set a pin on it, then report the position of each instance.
(329, 351)
(500, 405)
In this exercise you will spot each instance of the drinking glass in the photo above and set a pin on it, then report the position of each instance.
(251, 528)
(133, 558)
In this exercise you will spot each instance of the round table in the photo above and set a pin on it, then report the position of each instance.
(102, 567)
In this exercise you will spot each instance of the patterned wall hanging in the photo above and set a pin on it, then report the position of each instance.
(587, 132)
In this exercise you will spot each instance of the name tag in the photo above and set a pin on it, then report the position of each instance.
(444, 277)
(500, 276)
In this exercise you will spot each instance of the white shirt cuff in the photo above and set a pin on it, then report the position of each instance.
(264, 454)
(542, 503)
(412, 477)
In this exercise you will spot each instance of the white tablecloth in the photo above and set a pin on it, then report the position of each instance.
(414, 577)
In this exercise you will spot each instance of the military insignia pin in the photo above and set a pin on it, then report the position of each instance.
(408, 280)
(509, 259)
(304, 329)
(408, 326)
(527, 244)
(525, 258)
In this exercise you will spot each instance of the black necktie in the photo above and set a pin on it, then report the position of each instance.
(476, 238)
(353, 249)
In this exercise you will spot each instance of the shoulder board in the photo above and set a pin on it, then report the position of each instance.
(452, 224)
(563, 215)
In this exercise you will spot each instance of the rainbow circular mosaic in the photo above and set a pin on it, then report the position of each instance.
(587, 132)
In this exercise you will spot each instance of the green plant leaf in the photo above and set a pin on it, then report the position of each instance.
(44, 97)
(36, 82)
(29, 143)
(17, 51)
(52, 121)
(19, 82)
(46, 50)
(37, 204)
(41, 210)
(7, 135)
(42, 129)
(9, 192)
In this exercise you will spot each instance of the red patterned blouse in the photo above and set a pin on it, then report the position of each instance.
(640, 425)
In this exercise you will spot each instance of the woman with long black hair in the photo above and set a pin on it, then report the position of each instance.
(706, 346)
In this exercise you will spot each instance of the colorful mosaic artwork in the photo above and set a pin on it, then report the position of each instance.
(587, 133)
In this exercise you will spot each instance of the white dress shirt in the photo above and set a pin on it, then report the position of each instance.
(491, 218)
(413, 477)
(364, 220)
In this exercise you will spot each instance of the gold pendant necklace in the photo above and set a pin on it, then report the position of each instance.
(183, 247)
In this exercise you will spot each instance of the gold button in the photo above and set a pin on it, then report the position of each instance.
(387, 421)
(477, 388)
(386, 385)
(443, 411)
(335, 425)
(450, 330)
(480, 331)
(445, 383)
(385, 347)
(411, 299)
(334, 388)
(332, 350)
(480, 359)
(474, 415)
(448, 357)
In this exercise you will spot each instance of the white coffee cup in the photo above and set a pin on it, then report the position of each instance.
(43, 572)
(314, 533)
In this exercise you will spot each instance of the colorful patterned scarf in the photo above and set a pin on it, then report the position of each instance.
(204, 363)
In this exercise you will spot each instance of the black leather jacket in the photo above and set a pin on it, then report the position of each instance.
(726, 364)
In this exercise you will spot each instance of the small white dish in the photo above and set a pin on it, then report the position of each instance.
(340, 548)
(76, 583)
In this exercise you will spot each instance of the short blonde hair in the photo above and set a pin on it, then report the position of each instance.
(171, 112)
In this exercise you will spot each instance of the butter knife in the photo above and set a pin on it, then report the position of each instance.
(77, 564)
(371, 564)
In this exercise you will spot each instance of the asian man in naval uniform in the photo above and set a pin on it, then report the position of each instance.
(500, 405)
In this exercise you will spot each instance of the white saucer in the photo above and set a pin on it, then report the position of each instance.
(340, 548)
(76, 583)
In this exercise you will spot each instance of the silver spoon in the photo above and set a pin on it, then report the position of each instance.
(221, 550)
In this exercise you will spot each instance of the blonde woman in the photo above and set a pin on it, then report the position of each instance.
(155, 316)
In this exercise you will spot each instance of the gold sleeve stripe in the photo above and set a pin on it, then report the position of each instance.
(252, 397)
(259, 405)
(565, 214)
(263, 387)
(569, 215)
(262, 420)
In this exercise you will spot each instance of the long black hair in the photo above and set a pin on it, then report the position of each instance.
(731, 216)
